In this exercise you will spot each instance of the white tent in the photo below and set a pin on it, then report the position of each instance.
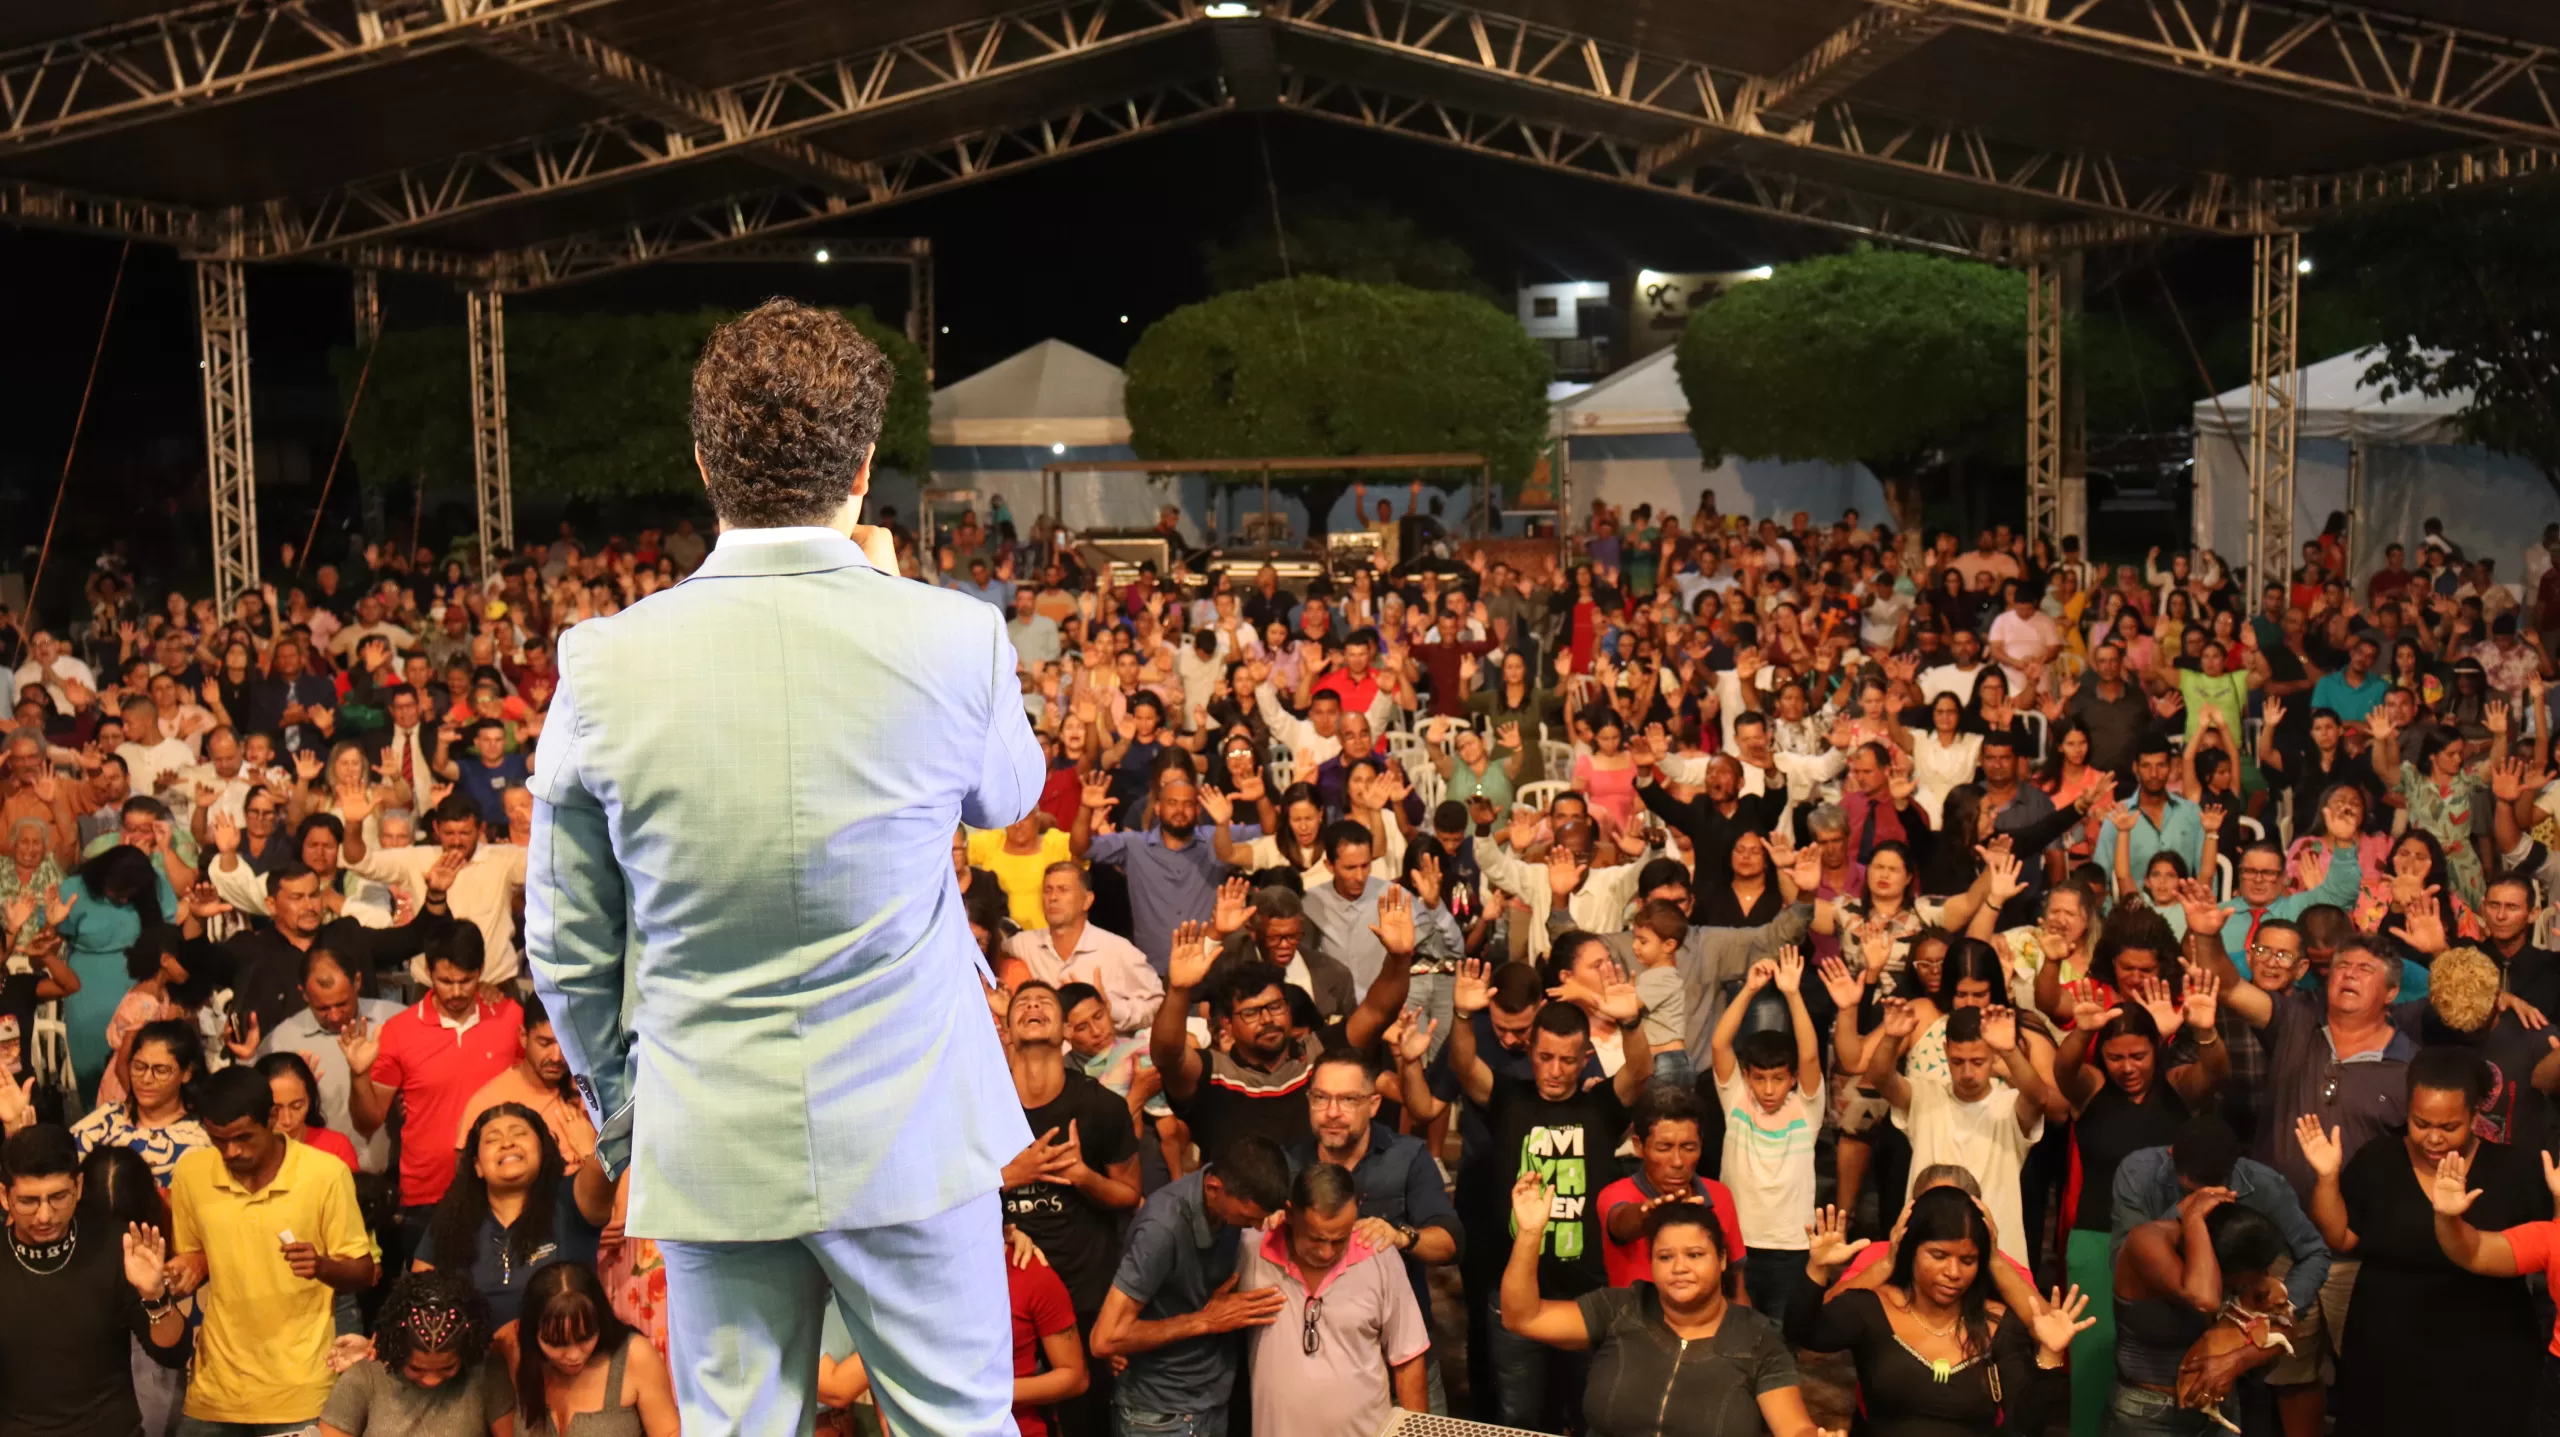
(1628, 443)
(1051, 403)
(2391, 463)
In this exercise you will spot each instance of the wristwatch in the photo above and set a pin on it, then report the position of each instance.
(1407, 1235)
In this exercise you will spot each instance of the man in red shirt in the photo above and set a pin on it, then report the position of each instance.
(1668, 1123)
(431, 1058)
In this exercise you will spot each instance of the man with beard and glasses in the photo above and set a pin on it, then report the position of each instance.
(79, 1300)
(1403, 1205)
(1067, 1190)
(1172, 865)
(1253, 1086)
(539, 1080)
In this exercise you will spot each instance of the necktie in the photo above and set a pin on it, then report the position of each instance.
(1867, 833)
(408, 746)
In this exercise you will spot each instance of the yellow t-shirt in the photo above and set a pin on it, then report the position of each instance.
(1018, 874)
(262, 1355)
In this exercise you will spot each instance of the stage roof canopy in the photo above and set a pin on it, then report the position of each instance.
(523, 143)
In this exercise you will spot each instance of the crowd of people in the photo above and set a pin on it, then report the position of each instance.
(2084, 995)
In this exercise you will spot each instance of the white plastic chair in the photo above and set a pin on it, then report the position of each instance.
(1538, 795)
(1410, 749)
(49, 1050)
(2257, 831)
(2223, 876)
(1280, 772)
(1558, 757)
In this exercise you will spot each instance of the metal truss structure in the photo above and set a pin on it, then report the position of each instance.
(495, 497)
(2350, 57)
(1795, 141)
(2274, 371)
(368, 308)
(222, 331)
(2045, 339)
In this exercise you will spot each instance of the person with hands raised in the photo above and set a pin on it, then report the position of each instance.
(1968, 1117)
(81, 1300)
(1638, 1383)
(1936, 1348)
(1770, 1084)
(1251, 1084)
(1561, 1128)
(2431, 1344)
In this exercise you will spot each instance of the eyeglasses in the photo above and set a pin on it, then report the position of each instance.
(1260, 1011)
(152, 1070)
(2329, 1089)
(1342, 1101)
(2262, 873)
(1311, 1337)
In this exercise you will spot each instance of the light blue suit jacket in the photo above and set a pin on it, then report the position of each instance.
(740, 907)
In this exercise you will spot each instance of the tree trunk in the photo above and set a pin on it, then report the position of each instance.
(1902, 492)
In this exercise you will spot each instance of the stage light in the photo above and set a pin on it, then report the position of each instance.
(1759, 271)
(1057, 449)
(2302, 265)
(946, 329)
(823, 256)
(1231, 10)
(1124, 319)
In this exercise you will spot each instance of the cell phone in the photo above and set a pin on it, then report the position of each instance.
(237, 1025)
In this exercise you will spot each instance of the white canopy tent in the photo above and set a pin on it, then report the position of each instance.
(2389, 463)
(1627, 442)
(994, 430)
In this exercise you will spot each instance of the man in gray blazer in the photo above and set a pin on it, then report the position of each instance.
(742, 916)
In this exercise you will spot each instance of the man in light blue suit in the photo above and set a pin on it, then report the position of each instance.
(741, 914)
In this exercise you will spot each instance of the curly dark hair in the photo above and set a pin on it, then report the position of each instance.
(432, 1312)
(787, 407)
(456, 1225)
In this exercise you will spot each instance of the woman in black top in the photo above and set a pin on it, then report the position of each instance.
(1749, 897)
(1672, 1357)
(1938, 1355)
(2430, 1347)
(2128, 1098)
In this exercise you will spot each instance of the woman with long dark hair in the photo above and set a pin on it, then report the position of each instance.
(157, 1117)
(510, 1209)
(110, 901)
(1936, 1351)
(119, 1191)
(579, 1370)
(1638, 1336)
(2113, 1068)
(297, 1113)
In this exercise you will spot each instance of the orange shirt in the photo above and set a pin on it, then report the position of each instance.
(567, 1118)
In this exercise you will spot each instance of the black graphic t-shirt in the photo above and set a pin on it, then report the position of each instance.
(1573, 1145)
(1079, 1236)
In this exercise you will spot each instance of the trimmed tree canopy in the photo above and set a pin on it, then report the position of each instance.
(596, 403)
(1316, 366)
(1876, 356)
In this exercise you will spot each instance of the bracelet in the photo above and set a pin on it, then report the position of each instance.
(2207, 1037)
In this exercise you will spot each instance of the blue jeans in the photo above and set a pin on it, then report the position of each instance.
(1436, 995)
(2142, 1412)
(1673, 1067)
(1125, 1423)
(1530, 1377)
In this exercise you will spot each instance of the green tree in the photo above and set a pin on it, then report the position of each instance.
(2460, 288)
(1315, 367)
(1910, 364)
(596, 403)
(1362, 244)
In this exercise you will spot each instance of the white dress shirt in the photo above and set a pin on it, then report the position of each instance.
(1130, 986)
(1598, 906)
(483, 894)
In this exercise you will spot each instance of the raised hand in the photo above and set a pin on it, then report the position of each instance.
(1394, 927)
(1097, 791)
(1564, 872)
(1901, 1022)
(2493, 717)
(1760, 975)
(2450, 1192)
(2422, 923)
(1827, 1241)
(1531, 1202)
(2008, 878)
(1220, 808)
(2154, 997)
(2205, 913)
(1473, 991)
(1807, 869)
(306, 764)
(1192, 953)
(2202, 1001)
(360, 1044)
(57, 905)
(1234, 907)
(1790, 970)
(2270, 714)
(226, 832)
(2061, 1320)
(2000, 1029)
(1425, 879)
(1413, 1044)
(2319, 1145)
(1843, 986)
(1875, 946)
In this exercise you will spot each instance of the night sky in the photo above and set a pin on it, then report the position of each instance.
(1064, 250)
